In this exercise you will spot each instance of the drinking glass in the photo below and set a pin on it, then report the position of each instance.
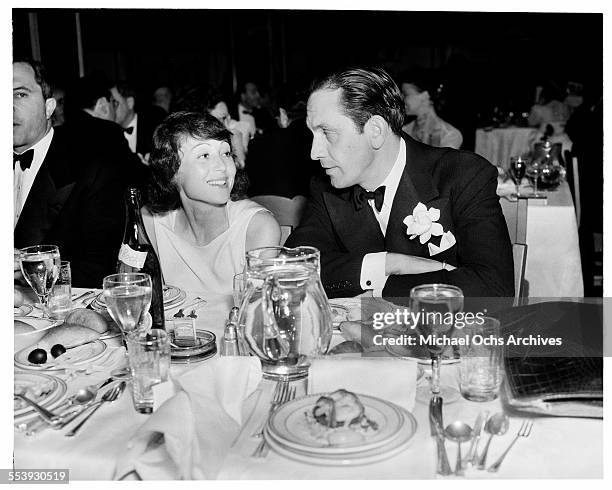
(60, 297)
(239, 288)
(40, 265)
(438, 304)
(481, 360)
(518, 167)
(149, 361)
(128, 298)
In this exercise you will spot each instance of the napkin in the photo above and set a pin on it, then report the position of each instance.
(189, 436)
(393, 380)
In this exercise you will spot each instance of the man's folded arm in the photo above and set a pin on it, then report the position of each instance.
(484, 254)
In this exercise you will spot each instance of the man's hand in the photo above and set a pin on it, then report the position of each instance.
(398, 264)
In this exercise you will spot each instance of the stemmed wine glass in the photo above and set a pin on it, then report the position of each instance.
(40, 265)
(128, 298)
(435, 302)
(518, 167)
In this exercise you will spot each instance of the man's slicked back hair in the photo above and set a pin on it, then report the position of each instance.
(366, 92)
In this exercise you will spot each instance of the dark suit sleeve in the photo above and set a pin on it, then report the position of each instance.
(101, 216)
(340, 268)
(483, 249)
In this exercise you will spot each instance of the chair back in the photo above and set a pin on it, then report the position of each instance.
(573, 179)
(519, 254)
(287, 212)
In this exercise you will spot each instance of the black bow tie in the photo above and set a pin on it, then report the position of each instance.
(24, 159)
(128, 130)
(360, 196)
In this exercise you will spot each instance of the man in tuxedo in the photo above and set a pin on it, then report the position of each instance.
(396, 213)
(138, 125)
(63, 197)
(91, 122)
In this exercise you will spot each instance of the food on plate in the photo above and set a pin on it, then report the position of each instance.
(19, 298)
(337, 409)
(38, 356)
(87, 318)
(340, 418)
(57, 350)
(67, 335)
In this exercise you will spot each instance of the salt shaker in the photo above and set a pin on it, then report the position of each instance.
(229, 342)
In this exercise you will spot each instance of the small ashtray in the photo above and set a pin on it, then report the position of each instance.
(203, 347)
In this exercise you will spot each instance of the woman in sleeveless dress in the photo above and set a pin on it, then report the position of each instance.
(200, 234)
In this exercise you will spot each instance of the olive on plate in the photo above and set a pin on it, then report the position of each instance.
(38, 356)
(57, 350)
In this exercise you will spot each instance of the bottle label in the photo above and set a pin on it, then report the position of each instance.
(132, 257)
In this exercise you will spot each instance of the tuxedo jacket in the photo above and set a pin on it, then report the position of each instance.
(460, 184)
(148, 120)
(105, 140)
(76, 202)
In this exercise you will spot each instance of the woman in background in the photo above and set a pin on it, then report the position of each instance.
(428, 127)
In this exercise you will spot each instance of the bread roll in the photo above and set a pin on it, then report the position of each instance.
(67, 335)
(87, 318)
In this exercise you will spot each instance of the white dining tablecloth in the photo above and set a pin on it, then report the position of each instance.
(553, 268)
(557, 447)
(498, 145)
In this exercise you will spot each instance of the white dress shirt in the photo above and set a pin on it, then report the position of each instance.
(373, 266)
(23, 179)
(131, 138)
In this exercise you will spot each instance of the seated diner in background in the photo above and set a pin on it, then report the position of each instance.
(200, 233)
(428, 127)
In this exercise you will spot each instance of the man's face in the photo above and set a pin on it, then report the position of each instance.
(31, 112)
(123, 113)
(344, 152)
(251, 97)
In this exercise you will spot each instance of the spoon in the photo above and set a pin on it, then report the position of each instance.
(458, 432)
(497, 425)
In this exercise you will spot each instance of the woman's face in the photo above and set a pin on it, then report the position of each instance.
(207, 170)
(221, 112)
(414, 100)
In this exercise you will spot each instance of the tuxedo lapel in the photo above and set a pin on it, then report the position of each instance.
(50, 191)
(358, 230)
(416, 185)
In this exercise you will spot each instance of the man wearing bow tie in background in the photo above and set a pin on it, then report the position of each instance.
(397, 213)
(62, 196)
(138, 125)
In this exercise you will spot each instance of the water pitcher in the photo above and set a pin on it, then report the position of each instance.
(285, 317)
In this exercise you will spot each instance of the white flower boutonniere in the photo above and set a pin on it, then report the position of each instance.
(422, 223)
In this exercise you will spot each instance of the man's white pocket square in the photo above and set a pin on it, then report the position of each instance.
(446, 242)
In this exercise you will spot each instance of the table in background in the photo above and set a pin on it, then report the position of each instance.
(499, 144)
(553, 253)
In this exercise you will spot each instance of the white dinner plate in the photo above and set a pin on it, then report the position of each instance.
(41, 388)
(73, 357)
(396, 445)
(293, 427)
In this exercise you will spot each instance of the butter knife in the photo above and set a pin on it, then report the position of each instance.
(472, 456)
(437, 430)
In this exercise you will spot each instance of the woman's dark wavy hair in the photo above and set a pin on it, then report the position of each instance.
(366, 93)
(162, 191)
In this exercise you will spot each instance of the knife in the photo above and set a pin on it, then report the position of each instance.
(472, 455)
(437, 430)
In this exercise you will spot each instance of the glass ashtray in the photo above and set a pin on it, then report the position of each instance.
(205, 347)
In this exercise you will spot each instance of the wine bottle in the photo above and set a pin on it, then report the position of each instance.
(138, 255)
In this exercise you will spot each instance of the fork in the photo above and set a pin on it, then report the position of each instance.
(277, 397)
(524, 431)
(262, 449)
(109, 396)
